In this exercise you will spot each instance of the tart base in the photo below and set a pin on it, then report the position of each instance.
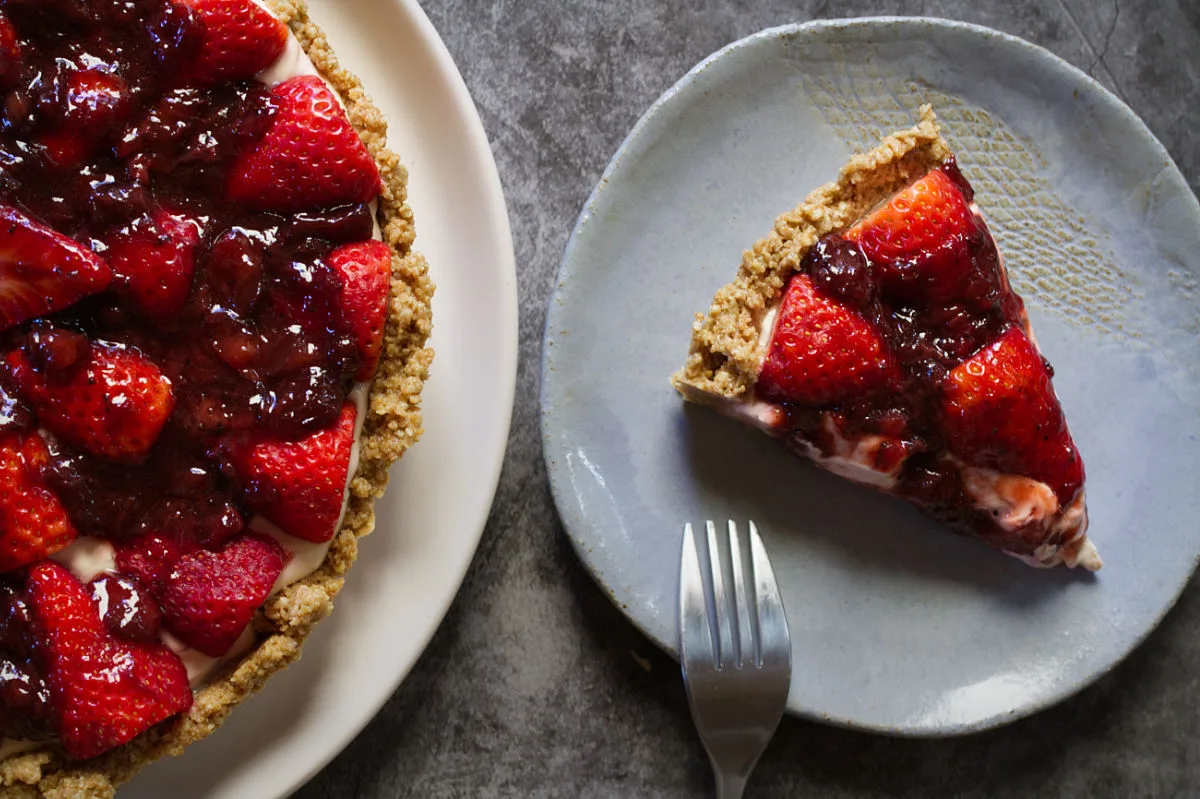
(392, 425)
(724, 357)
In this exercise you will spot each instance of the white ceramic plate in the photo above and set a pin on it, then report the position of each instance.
(898, 626)
(430, 520)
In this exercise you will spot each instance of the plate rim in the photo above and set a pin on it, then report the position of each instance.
(662, 104)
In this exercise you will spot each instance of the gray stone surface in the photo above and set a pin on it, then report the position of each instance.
(535, 685)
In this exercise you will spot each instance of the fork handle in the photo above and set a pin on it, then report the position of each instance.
(729, 786)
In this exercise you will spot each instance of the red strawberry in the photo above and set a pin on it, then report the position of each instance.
(42, 271)
(310, 156)
(299, 485)
(924, 239)
(365, 271)
(822, 351)
(126, 607)
(105, 691)
(33, 523)
(151, 558)
(114, 405)
(1000, 411)
(212, 596)
(241, 39)
(95, 99)
(153, 261)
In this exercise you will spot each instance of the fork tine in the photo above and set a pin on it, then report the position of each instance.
(768, 601)
(720, 599)
(693, 606)
(745, 626)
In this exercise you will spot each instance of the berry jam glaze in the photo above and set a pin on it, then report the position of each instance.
(25, 710)
(930, 310)
(100, 141)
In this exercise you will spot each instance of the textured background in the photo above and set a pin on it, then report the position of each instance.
(535, 685)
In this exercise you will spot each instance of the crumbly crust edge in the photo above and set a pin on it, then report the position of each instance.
(724, 357)
(393, 424)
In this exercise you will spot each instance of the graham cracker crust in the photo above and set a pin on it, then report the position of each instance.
(724, 357)
(393, 424)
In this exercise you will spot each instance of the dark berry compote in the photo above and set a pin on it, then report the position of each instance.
(188, 284)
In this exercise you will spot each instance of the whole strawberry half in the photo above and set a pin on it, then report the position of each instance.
(310, 156)
(928, 242)
(299, 485)
(113, 403)
(1000, 411)
(240, 39)
(33, 523)
(41, 270)
(822, 351)
(153, 261)
(210, 597)
(105, 691)
(365, 271)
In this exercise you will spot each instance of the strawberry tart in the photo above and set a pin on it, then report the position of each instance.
(212, 348)
(875, 332)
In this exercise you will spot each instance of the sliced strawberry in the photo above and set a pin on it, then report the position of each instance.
(114, 405)
(300, 485)
(42, 271)
(151, 558)
(365, 271)
(310, 156)
(1000, 412)
(241, 39)
(153, 261)
(822, 351)
(925, 239)
(105, 691)
(33, 523)
(212, 596)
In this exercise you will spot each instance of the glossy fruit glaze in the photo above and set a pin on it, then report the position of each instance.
(103, 141)
(879, 325)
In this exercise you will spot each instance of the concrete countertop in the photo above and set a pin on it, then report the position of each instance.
(535, 685)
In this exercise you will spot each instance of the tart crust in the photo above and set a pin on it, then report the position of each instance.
(392, 425)
(724, 357)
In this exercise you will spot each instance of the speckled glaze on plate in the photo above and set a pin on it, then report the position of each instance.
(898, 626)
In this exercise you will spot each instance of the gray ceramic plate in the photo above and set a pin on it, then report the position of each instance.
(898, 626)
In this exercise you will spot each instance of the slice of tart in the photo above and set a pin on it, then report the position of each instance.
(876, 333)
(212, 347)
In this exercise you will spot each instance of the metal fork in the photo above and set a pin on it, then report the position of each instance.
(735, 651)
